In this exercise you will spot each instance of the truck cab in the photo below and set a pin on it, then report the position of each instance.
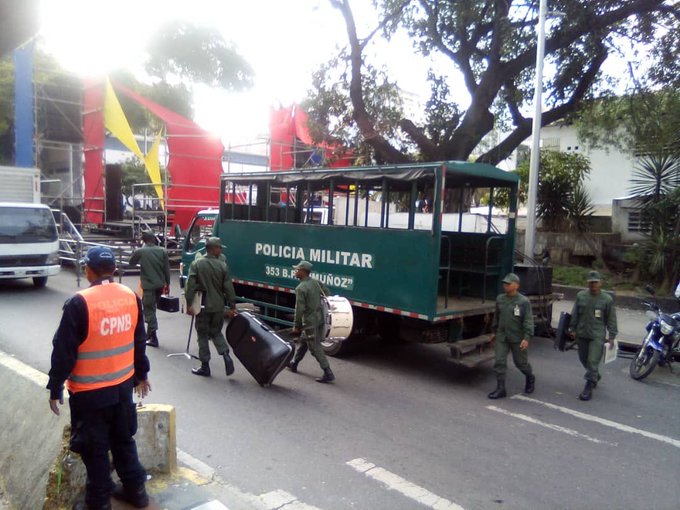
(29, 242)
(201, 227)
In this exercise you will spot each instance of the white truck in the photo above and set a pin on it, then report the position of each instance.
(29, 242)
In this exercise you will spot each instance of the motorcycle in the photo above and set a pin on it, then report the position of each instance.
(661, 342)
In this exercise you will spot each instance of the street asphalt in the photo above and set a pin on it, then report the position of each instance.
(403, 427)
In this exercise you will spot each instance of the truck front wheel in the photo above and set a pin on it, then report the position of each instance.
(40, 281)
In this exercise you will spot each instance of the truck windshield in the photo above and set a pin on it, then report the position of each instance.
(26, 225)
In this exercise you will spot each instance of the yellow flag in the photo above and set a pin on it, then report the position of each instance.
(153, 167)
(116, 122)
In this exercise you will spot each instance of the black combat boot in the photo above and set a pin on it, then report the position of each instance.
(499, 392)
(152, 341)
(292, 366)
(135, 496)
(326, 377)
(587, 392)
(203, 370)
(228, 363)
(530, 384)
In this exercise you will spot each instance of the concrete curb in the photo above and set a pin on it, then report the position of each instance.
(30, 437)
(37, 470)
(624, 301)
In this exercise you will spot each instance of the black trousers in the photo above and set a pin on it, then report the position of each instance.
(95, 432)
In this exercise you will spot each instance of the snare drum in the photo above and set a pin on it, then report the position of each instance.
(338, 318)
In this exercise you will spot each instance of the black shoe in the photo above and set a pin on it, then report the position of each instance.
(228, 363)
(81, 505)
(326, 377)
(136, 497)
(203, 370)
(530, 384)
(587, 392)
(499, 392)
(152, 341)
(292, 366)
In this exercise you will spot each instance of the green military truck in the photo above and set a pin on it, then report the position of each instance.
(404, 244)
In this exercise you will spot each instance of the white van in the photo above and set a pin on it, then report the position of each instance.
(29, 243)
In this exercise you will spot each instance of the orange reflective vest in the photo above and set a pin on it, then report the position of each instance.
(106, 357)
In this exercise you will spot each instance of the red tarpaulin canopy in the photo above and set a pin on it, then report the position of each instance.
(292, 145)
(194, 165)
(93, 148)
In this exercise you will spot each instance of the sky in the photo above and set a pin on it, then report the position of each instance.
(283, 40)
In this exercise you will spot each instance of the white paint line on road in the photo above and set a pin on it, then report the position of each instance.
(210, 505)
(551, 426)
(23, 369)
(275, 500)
(282, 500)
(397, 483)
(602, 421)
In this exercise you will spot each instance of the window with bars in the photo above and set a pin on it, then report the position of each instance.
(637, 224)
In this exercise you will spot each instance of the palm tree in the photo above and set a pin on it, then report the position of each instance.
(655, 176)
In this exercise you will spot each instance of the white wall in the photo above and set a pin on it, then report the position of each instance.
(610, 171)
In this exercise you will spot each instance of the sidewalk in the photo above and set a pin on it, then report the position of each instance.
(631, 322)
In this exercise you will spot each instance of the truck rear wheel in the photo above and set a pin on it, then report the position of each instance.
(335, 348)
(40, 281)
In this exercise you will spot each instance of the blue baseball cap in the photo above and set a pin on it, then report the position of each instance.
(100, 258)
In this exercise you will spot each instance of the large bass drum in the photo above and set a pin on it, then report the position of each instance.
(338, 318)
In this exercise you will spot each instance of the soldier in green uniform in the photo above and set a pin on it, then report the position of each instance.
(592, 316)
(155, 279)
(309, 320)
(512, 327)
(210, 276)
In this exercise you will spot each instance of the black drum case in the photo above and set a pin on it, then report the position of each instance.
(258, 347)
(561, 336)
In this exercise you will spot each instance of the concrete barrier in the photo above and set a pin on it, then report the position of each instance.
(30, 436)
(37, 470)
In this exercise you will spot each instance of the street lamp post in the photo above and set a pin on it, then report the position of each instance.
(530, 233)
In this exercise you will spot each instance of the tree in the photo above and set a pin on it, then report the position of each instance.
(642, 122)
(181, 54)
(199, 54)
(492, 44)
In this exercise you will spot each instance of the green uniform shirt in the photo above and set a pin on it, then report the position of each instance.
(308, 313)
(155, 266)
(593, 315)
(210, 275)
(513, 320)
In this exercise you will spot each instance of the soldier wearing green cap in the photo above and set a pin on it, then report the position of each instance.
(512, 327)
(155, 280)
(309, 322)
(592, 317)
(210, 276)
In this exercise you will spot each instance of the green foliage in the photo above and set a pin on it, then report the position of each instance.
(200, 54)
(579, 208)
(562, 200)
(576, 276)
(331, 114)
(643, 122)
(655, 176)
(661, 256)
(134, 172)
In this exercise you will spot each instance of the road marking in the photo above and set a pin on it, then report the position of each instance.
(397, 483)
(274, 500)
(282, 500)
(210, 505)
(602, 421)
(551, 426)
